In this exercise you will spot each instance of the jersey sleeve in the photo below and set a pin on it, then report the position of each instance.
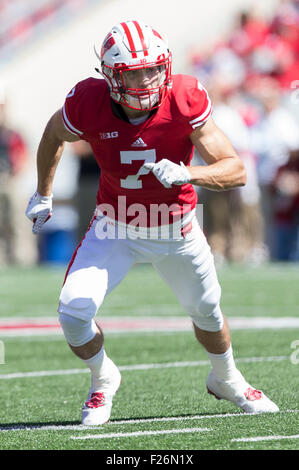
(73, 108)
(194, 104)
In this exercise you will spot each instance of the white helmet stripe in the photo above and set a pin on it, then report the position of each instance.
(135, 37)
(130, 39)
(141, 37)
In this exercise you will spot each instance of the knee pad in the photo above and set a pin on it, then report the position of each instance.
(76, 331)
(78, 297)
(213, 322)
(206, 314)
(76, 306)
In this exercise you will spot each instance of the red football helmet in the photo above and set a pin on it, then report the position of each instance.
(134, 47)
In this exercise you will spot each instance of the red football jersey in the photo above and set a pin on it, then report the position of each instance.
(121, 148)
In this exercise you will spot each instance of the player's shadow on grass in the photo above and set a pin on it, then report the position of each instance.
(170, 417)
(40, 425)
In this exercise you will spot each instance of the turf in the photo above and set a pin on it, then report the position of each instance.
(170, 392)
(271, 290)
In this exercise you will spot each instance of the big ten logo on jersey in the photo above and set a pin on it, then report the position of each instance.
(108, 135)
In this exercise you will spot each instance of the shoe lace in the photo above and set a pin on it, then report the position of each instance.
(251, 394)
(96, 400)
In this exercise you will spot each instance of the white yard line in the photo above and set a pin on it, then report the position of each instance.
(140, 433)
(80, 427)
(264, 438)
(167, 365)
(188, 418)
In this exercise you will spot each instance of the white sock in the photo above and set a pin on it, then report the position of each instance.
(223, 365)
(97, 367)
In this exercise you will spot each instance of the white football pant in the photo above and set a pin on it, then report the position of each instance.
(185, 264)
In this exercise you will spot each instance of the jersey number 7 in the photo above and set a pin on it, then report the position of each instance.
(126, 157)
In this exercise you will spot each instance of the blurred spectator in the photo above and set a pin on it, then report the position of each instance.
(253, 72)
(249, 33)
(88, 183)
(269, 48)
(24, 21)
(273, 136)
(285, 26)
(57, 241)
(74, 204)
(15, 244)
(232, 219)
(286, 209)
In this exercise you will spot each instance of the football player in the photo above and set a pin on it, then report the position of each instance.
(143, 124)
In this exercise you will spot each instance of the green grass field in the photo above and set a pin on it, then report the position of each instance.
(162, 402)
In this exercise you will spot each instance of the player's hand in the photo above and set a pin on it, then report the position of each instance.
(39, 210)
(169, 173)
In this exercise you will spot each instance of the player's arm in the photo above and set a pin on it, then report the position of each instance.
(50, 151)
(224, 169)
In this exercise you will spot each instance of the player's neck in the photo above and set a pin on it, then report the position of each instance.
(134, 113)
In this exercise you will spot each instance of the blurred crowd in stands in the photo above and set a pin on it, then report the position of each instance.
(23, 21)
(13, 158)
(252, 76)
